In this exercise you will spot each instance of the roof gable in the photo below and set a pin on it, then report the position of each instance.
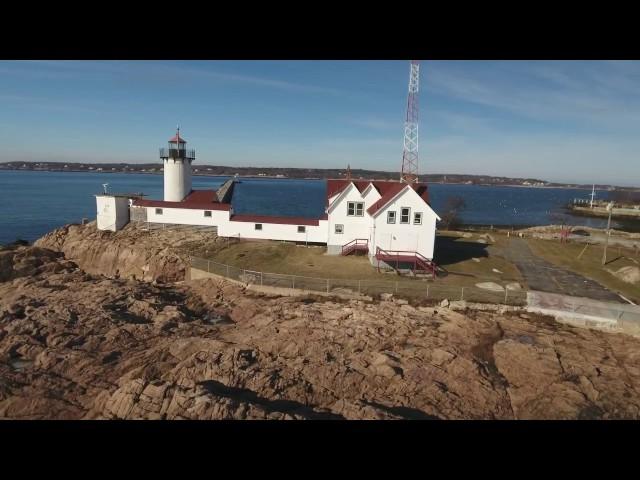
(390, 193)
(343, 193)
(388, 190)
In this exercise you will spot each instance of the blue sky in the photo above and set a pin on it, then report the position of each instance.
(556, 120)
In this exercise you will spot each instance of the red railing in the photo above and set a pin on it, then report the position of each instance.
(406, 256)
(356, 244)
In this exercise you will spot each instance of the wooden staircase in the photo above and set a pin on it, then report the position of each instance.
(357, 245)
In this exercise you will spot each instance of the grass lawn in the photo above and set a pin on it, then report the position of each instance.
(590, 264)
(279, 257)
(453, 253)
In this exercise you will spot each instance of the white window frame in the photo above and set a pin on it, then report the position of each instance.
(336, 228)
(257, 226)
(158, 211)
(417, 215)
(355, 209)
(302, 229)
(391, 213)
(408, 215)
(209, 212)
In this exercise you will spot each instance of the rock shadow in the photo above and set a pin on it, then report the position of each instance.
(283, 406)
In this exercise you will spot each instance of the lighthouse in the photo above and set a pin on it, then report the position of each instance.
(177, 160)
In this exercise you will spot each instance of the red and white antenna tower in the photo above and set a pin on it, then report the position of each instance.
(410, 153)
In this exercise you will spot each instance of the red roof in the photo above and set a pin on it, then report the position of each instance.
(386, 188)
(177, 139)
(278, 220)
(202, 196)
(197, 200)
(390, 192)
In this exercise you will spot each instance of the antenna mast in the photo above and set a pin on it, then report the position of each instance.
(410, 152)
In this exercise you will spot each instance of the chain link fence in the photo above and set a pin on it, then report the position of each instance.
(410, 288)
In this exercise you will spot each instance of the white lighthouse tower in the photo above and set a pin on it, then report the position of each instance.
(177, 168)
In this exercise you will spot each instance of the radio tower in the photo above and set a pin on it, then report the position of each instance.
(410, 153)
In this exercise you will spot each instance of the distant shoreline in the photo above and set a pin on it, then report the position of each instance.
(275, 177)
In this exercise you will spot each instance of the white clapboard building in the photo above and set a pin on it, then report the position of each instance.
(391, 221)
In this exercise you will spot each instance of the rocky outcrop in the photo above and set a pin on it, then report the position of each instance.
(74, 345)
(148, 255)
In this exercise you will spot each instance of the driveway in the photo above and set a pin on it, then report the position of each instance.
(547, 277)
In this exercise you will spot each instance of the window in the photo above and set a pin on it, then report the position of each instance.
(339, 228)
(258, 226)
(417, 218)
(302, 229)
(405, 213)
(158, 211)
(355, 209)
(391, 217)
(207, 213)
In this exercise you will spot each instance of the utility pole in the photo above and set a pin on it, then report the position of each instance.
(606, 240)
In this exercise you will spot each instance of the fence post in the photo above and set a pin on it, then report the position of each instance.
(208, 267)
(427, 290)
(260, 278)
(227, 271)
(396, 287)
(462, 294)
(358, 287)
(327, 285)
(293, 281)
(506, 294)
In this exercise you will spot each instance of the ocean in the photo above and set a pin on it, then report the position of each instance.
(34, 203)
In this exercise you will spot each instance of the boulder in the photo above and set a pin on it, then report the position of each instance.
(495, 270)
(444, 303)
(477, 260)
(386, 297)
(628, 274)
(513, 286)
(458, 305)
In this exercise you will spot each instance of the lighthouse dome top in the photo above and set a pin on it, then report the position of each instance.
(177, 138)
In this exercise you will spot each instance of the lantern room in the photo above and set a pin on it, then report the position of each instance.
(177, 149)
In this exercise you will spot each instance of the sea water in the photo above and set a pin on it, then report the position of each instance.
(34, 203)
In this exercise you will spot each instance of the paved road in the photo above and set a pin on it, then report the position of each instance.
(547, 277)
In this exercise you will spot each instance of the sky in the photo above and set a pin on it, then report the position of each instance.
(563, 121)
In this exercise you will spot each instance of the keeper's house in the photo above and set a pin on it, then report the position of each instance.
(391, 221)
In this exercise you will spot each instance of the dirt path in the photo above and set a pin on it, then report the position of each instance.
(547, 277)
